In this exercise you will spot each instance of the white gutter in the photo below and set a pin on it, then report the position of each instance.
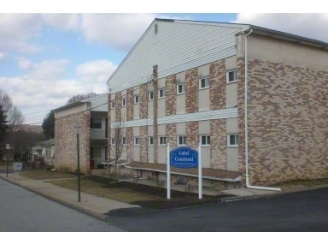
(246, 128)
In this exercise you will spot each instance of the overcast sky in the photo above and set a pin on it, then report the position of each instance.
(47, 58)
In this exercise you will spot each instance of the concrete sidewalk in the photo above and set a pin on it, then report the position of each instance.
(93, 205)
(97, 206)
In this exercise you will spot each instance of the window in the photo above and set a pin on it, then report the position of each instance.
(150, 95)
(204, 83)
(136, 99)
(161, 93)
(162, 140)
(233, 140)
(205, 140)
(181, 88)
(136, 141)
(231, 76)
(113, 104)
(95, 123)
(151, 140)
(124, 141)
(181, 140)
(123, 102)
(95, 152)
(112, 140)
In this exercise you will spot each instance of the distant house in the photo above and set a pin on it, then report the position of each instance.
(48, 151)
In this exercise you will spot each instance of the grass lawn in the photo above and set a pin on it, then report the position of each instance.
(139, 194)
(41, 174)
(298, 184)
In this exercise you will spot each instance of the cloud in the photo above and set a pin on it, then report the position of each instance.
(17, 29)
(43, 87)
(2, 56)
(308, 25)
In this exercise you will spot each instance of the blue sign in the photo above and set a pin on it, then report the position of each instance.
(184, 157)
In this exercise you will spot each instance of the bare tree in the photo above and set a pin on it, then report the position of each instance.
(14, 115)
(117, 144)
(80, 97)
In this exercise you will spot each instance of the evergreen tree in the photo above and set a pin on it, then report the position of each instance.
(48, 125)
(3, 123)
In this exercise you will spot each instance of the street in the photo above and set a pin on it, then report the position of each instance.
(24, 211)
(295, 212)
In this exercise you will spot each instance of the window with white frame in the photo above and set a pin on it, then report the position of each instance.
(233, 140)
(123, 102)
(113, 104)
(181, 140)
(150, 95)
(124, 141)
(162, 140)
(136, 141)
(112, 140)
(204, 83)
(205, 140)
(136, 99)
(181, 88)
(231, 76)
(95, 123)
(151, 140)
(161, 93)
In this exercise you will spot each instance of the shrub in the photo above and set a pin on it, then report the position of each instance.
(50, 167)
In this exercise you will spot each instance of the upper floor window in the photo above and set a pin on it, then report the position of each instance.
(150, 95)
(161, 93)
(95, 123)
(231, 76)
(136, 99)
(205, 140)
(123, 102)
(113, 104)
(181, 88)
(204, 83)
(233, 140)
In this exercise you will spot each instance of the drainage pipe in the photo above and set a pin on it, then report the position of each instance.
(246, 128)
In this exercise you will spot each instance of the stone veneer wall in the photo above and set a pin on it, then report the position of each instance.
(288, 108)
(129, 144)
(155, 112)
(192, 132)
(66, 142)
(129, 130)
(218, 145)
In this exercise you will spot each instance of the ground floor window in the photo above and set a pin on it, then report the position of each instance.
(232, 140)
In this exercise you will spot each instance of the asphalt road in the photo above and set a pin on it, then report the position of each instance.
(24, 211)
(296, 212)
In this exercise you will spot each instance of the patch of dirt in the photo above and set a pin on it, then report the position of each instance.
(178, 198)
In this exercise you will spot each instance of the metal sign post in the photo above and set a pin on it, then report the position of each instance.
(7, 148)
(185, 157)
(168, 178)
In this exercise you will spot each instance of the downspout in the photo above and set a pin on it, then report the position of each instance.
(246, 128)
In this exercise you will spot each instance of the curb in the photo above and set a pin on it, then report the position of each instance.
(239, 198)
(68, 204)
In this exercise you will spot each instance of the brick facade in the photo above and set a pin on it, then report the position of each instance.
(171, 95)
(192, 91)
(217, 85)
(218, 145)
(118, 106)
(129, 144)
(192, 132)
(155, 114)
(66, 142)
(143, 101)
(109, 128)
(171, 136)
(129, 104)
(288, 110)
(144, 144)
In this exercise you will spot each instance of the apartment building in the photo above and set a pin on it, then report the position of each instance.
(254, 98)
(91, 115)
